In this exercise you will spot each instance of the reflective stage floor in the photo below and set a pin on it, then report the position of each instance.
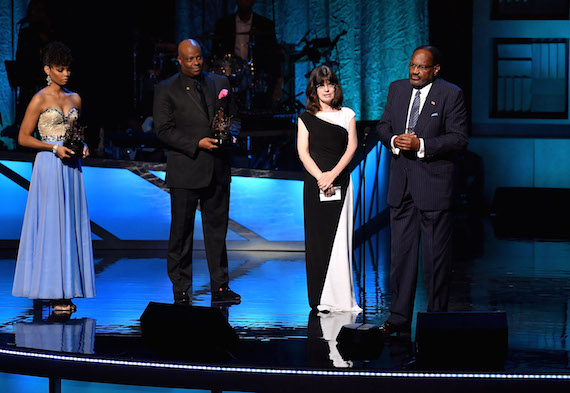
(271, 342)
(281, 345)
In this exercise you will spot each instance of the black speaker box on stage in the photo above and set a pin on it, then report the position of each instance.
(185, 329)
(359, 341)
(462, 340)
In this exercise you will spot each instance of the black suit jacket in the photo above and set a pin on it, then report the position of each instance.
(443, 126)
(180, 122)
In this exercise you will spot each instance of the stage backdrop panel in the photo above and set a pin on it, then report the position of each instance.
(131, 208)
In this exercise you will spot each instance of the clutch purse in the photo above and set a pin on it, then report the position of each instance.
(334, 197)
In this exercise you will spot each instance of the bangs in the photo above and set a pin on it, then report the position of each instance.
(324, 74)
(319, 76)
(57, 54)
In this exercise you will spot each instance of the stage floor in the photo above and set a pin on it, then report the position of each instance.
(529, 280)
(281, 346)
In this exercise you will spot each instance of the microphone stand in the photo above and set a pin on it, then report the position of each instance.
(363, 223)
(361, 341)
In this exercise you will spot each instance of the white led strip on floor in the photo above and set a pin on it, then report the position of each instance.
(286, 371)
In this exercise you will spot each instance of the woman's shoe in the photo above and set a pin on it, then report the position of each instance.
(72, 306)
(60, 305)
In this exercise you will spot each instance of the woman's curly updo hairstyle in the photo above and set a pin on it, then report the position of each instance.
(57, 54)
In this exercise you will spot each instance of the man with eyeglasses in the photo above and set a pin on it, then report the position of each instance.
(424, 125)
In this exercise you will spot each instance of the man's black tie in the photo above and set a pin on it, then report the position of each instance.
(202, 97)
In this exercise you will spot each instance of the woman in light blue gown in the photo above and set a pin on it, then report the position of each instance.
(55, 257)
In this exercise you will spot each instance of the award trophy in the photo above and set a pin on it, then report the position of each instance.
(74, 139)
(221, 126)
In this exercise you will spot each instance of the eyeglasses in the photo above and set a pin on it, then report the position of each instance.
(328, 84)
(421, 67)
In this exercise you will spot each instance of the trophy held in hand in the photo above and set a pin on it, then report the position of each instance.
(74, 139)
(221, 124)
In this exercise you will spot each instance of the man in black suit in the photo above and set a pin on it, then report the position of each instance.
(234, 34)
(197, 170)
(424, 125)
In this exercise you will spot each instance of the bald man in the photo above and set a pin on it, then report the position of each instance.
(196, 170)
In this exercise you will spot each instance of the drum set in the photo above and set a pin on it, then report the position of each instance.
(267, 105)
(245, 81)
(253, 88)
(248, 82)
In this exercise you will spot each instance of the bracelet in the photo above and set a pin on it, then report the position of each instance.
(54, 149)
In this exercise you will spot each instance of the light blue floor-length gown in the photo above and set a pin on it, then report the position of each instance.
(55, 257)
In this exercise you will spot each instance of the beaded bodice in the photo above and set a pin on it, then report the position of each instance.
(53, 124)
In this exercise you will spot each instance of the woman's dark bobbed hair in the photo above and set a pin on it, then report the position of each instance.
(318, 76)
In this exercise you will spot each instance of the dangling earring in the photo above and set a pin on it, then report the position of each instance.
(48, 79)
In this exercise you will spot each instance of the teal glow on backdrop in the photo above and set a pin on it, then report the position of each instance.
(132, 208)
(375, 182)
(381, 35)
(272, 208)
(126, 205)
(11, 11)
(13, 200)
(23, 169)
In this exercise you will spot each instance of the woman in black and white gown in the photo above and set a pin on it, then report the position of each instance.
(326, 143)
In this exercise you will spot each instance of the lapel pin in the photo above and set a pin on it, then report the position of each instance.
(187, 88)
(433, 102)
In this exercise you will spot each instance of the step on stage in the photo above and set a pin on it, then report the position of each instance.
(508, 329)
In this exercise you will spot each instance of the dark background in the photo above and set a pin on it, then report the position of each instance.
(106, 35)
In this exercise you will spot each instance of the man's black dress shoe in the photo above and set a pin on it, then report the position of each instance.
(226, 295)
(181, 297)
(388, 328)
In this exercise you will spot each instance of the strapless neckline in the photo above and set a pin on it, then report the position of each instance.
(53, 123)
(60, 112)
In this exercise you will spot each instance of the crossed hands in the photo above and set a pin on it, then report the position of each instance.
(325, 183)
(407, 142)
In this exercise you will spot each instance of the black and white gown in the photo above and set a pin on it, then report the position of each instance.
(329, 224)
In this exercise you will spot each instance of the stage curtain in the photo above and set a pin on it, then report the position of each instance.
(380, 37)
(375, 50)
(11, 11)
